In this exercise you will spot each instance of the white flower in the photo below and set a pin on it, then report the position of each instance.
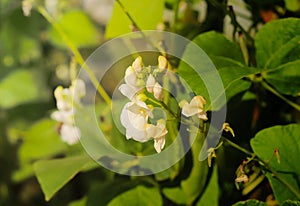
(66, 101)
(69, 134)
(134, 117)
(195, 107)
(26, 7)
(158, 133)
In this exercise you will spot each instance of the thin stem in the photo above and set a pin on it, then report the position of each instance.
(292, 104)
(76, 53)
(230, 12)
(265, 165)
(136, 27)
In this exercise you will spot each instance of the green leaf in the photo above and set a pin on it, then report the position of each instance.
(286, 139)
(19, 87)
(211, 194)
(292, 5)
(78, 28)
(176, 195)
(278, 43)
(286, 79)
(81, 202)
(231, 78)
(54, 174)
(40, 141)
(228, 54)
(250, 203)
(147, 14)
(140, 195)
(195, 184)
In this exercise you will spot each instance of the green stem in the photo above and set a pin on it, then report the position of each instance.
(134, 24)
(76, 53)
(272, 90)
(265, 165)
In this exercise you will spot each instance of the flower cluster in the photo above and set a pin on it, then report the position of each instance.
(142, 84)
(66, 101)
(136, 113)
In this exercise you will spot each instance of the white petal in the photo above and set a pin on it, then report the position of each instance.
(70, 134)
(78, 90)
(137, 64)
(150, 83)
(134, 123)
(159, 144)
(130, 76)
(65, 117)
(158, 91)
(189, 110)
(128, 91)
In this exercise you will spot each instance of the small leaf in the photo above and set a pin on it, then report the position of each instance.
(54, 174)
(292, 5)
(146, 13)
(278, 43)
(78, 28)
(286, 79)
(140, 195)
(250, 203)
(286, 139)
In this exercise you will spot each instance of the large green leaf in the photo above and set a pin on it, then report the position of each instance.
(146, 13)
(286, 139)
(286, 79)
(278, 43)
(211, 194)
(250, 203)
(232, 78)
(78, 28)
(222, 51)
(195, 184)
(140, 195)
(19, 87)
(40, 141)
(54, 174)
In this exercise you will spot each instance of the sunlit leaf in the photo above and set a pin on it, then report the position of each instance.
(140, 195)
(54, 174)
(286, 139)
(146, 13)
(78, 28)
(278, 43)
(176, 195)
(40, 141)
